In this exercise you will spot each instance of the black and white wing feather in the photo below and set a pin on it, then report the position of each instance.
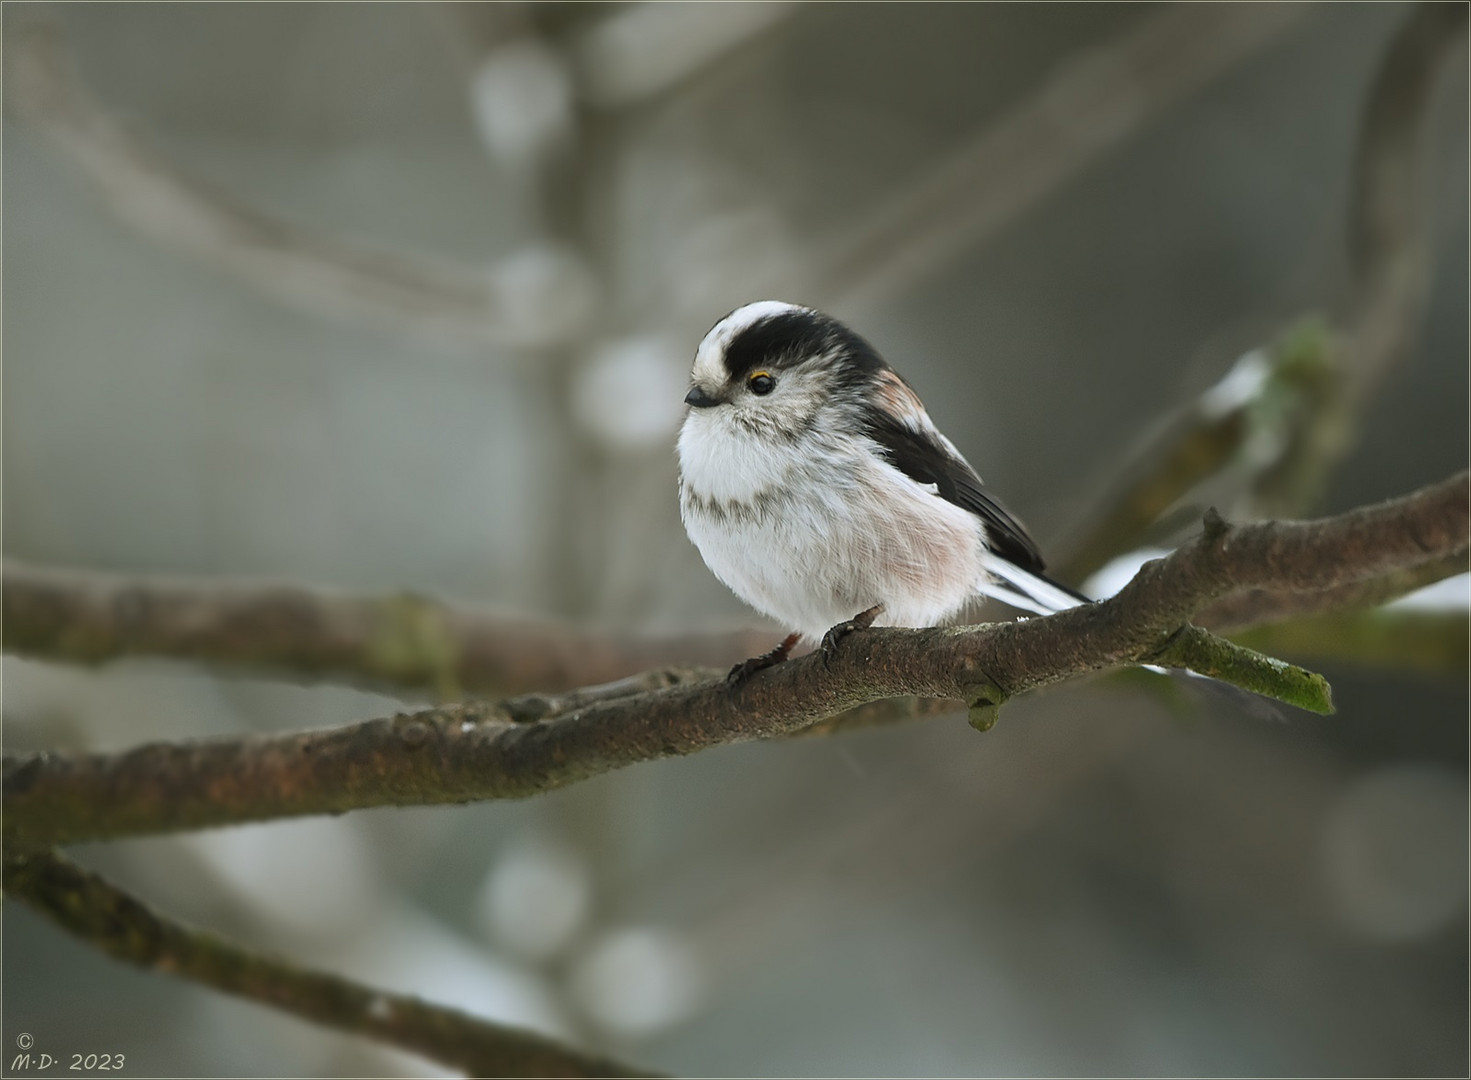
(913, 445)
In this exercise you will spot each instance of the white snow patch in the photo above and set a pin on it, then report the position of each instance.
(1448, 594)
(1118, 572)
(1237, 387)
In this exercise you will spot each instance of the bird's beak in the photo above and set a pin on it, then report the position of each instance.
(701, 398)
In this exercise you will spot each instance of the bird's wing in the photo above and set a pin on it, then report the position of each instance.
(913, 445)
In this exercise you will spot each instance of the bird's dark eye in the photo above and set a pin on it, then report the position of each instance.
(761, 383)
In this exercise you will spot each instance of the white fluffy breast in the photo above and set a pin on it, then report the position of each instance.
(812, 532)
(721, 459)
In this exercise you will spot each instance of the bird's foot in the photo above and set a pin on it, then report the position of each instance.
(862, 621)
(746, 668)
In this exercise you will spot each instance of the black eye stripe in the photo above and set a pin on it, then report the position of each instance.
(773, 341)
(780, 341)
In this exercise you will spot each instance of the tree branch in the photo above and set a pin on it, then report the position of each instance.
(394, 642)
(305, 268)
(1097, 101)
(1205, 654)
(88, 907)
(1249, 610)
(480, 751)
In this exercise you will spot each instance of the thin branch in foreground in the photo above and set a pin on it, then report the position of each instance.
(1095, 102)
(1259, 607)
(1205, 654)
(88, 907)
(479, 751)
(309, 269)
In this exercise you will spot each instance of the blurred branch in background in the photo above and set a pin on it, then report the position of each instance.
(1246, 420)
(1431, 642)
(108, 918)
(1284, 417)
(403, 642)
(1392, 199)
(623, 56)
(530, 300)
(1095, 102)
(645, 50)
(472, 752)
(1391, 207)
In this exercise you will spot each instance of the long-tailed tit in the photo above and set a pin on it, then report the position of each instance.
(817, 488)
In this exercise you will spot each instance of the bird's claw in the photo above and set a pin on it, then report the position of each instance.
(862, 621)
(746, 668)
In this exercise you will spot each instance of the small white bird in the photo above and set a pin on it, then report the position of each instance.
(817, 488)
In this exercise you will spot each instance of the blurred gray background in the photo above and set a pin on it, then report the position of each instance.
(1098, 886)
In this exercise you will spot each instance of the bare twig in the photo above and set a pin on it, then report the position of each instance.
(320, 272)
(1205, 654)
(104, 916)
(1259, 607)
(471, 752)
(1097, 101)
